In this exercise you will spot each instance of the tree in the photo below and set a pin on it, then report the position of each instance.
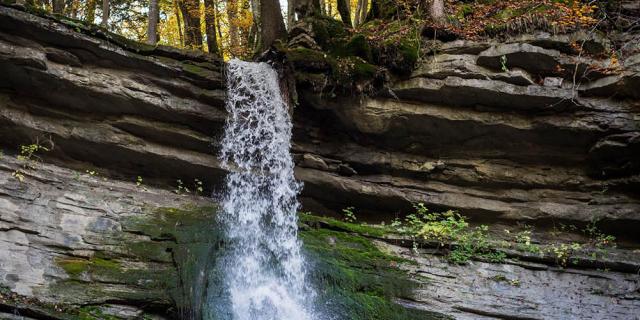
(233, 31)
(74, 6)
(361, 12)
(272, 23)
(291, 13)
(436, 11)
(105, 14)
(190, 10)
(306, 8)
(176, 11)
(58, 6)
(210, 30)
(254, 32)
(384, 9)
(154, 17)
(343, 10)
(90, 11)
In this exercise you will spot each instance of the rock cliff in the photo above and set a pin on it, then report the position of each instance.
(528, 130)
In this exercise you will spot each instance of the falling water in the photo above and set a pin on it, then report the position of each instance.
(262, 267)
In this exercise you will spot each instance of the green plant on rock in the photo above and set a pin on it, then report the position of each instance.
(181, 188)
(349, 215)
(92, 312)
(600, 241)
(198, 186)
(562, 252)
(523, 241)
(503, 63)
(92, 173)
(502, 278)
(474, 244)
(359, 280)
(28, 157)
(139, 183)
(451, 230)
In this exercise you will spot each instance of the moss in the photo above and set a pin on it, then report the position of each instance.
(335, 224)
(200, 69)
(409, 50)
(495, 29)
(358, 280)
(326, 30)
(73, 267)
(179, 247)
(93, 312)
(363, 70)
(350, 70)
(383, 9)
(356, 46)
(181, 225)
(317, 82)
(465, 10)
(309, 60)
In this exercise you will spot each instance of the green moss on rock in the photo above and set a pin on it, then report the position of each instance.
(355, 279)
(159, 272)
(310, 60)
(326, 30)
(357, 46)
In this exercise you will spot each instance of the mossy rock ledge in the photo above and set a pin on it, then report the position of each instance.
(108, 249)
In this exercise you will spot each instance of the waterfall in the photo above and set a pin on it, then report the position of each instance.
(262, 267)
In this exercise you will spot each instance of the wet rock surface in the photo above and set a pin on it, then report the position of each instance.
(78, 240)
(520, 291)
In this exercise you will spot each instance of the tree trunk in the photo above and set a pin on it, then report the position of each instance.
(73, 10)
(254, 35)
(307, 8)
(272, 24)
(361, 12)
(58, 6)
(176, 11)
(232, 16)
(343, 9)
(90, 11)
(105, 14)
(437, 10)
(210, 21)
(383, 9)
(191, 16)
(154, 17)
(291, 13)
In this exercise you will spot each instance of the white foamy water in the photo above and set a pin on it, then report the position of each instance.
(262, 266)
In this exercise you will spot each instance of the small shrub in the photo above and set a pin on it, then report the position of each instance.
(349, 215)
(450, 229)
(28, 158)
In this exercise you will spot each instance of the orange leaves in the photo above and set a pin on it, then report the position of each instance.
(574, 15)
(482, 18)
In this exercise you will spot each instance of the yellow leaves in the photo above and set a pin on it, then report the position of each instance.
(514, 16)
(576, 15)
(18, 175)
(613, 60)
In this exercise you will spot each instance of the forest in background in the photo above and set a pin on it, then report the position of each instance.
(233, 28)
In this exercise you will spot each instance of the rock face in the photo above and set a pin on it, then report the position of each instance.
(525, 291)
(80, 239)
(523, 131)
(508, 147)
(105, 103)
